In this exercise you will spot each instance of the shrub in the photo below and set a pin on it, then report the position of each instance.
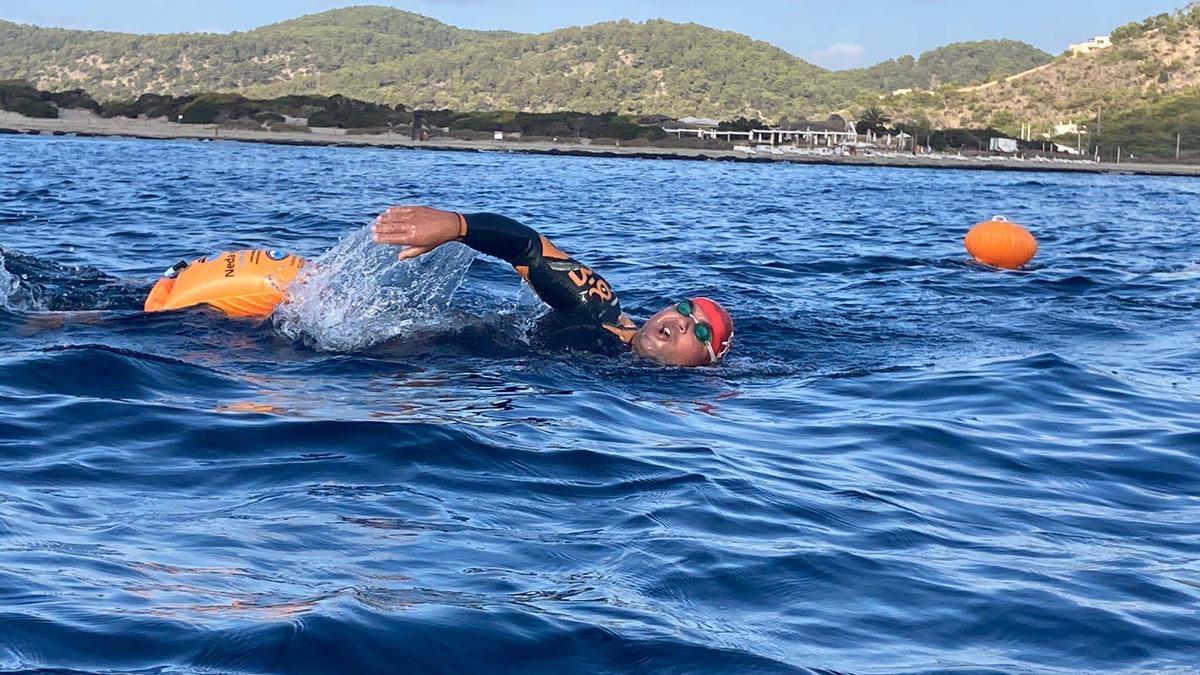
(322, 118)
(76, 98)
(210, 108)
(20, 97)
(1149, 69)
(741, 124)
(360, 119)
(31, 107)
(1127, 32)
(111, 109)
(294, 128)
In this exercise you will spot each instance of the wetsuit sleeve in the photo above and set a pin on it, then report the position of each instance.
(559, 280)
(501, 237)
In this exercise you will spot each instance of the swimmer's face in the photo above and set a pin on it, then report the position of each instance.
(669, 338)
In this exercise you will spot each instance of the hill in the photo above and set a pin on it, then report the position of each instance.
(656, 66)
(1150, 62)
(651, 67)
(122, 65)
(1157, 128)
(390, 56)
(961, 63)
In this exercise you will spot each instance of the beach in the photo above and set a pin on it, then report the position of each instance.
(80, 123)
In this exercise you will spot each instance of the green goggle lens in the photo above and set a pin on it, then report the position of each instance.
(702, 330)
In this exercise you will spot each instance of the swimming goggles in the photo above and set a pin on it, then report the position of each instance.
(702, 331)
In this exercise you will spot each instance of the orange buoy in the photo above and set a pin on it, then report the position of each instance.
(1001, 243)
(237, 283)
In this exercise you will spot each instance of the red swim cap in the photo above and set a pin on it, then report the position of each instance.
(721, 322)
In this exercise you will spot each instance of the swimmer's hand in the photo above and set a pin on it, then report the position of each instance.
(419, 228)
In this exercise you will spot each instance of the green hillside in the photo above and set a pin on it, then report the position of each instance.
(390, 56)
(1154, 128)
(656, 66)
(121, 65)
(1140, 87)
(961, 63)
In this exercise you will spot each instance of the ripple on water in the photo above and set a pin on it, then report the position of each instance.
(910, 462)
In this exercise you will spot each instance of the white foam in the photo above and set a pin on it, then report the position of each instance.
(8, 283)
(1190, 271)
(359, 294)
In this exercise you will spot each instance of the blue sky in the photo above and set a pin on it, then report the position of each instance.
(831, 34)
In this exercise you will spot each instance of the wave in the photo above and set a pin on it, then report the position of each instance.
(905, 461)
(97, 371)
(32, 284)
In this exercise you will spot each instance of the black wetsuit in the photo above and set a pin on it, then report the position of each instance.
(583, 302)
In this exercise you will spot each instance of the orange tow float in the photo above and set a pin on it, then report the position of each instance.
(1001, 243)
(237, 283)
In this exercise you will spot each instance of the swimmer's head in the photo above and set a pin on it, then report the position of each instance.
(696, 332)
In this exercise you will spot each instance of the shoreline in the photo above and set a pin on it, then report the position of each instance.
(86, 125)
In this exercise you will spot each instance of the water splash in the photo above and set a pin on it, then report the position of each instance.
(8, 283)
(358, 294)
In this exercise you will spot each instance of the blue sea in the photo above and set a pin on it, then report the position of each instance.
(909, 463)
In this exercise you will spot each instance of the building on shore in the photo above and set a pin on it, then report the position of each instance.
(1095, 44)
(699, 123)
(682, 132)
(701, 127)
(836, 132)
(1069, 128)
(889, 142)
(833, 132)
(1006, 145)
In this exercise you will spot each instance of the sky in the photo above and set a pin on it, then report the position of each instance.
(831, 34)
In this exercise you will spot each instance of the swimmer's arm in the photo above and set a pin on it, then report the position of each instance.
(561, 282)
(421, 229)
(504, 238)
(500, 237)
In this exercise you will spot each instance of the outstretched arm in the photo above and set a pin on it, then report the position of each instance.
(559, 280)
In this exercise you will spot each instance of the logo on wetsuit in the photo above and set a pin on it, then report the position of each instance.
(584, 278)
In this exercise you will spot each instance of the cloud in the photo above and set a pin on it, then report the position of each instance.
(840, 55)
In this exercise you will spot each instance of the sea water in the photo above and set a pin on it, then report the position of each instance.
(909, 462)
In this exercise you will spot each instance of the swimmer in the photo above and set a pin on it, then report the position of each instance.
(587, 312)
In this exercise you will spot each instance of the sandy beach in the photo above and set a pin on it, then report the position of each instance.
(82, 123)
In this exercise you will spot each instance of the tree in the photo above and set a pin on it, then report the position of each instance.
(874, 119)
(741, 124)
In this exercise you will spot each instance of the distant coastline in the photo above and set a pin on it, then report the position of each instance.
(87, 125)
